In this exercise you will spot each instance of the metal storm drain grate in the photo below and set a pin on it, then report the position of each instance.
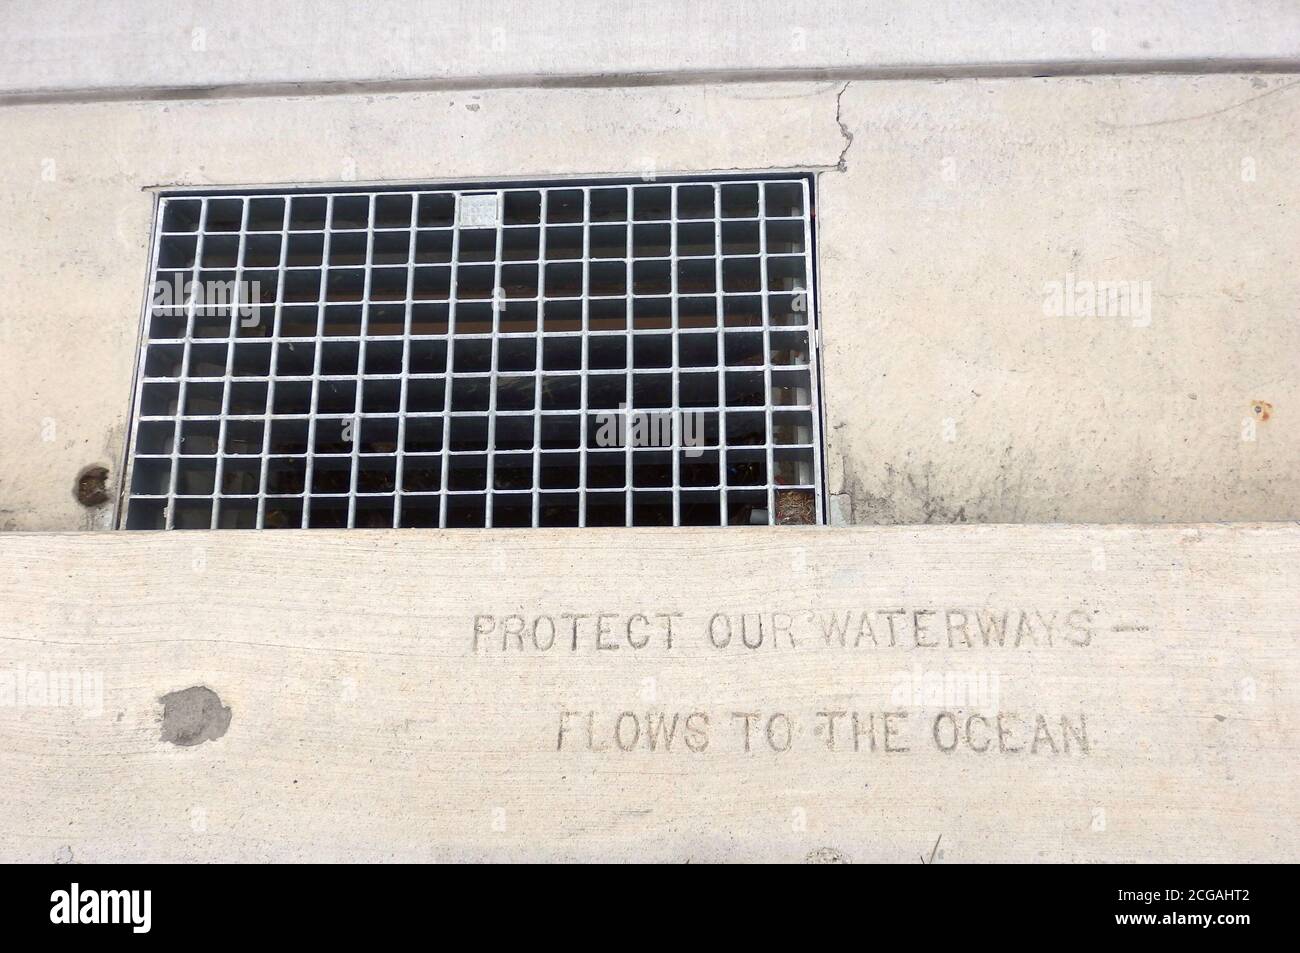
(584, 354)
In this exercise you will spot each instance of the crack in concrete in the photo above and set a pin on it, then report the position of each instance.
(1207, 115)
(843, 163)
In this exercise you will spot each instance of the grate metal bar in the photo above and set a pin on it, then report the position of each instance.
(629, 403)
(447, 370)
(536, 494)
(218, 474)
(191, 310)
(309, 474)
(813, 325)
(724, 509)
(362, 382)
(400, 465)
(265, 442)
(675, 317)
(413, 362)
(769, 461)
(494, 359)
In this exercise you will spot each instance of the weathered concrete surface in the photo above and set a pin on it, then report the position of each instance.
(368, 722)
(954, 394)
(950, 394)
(71, 46)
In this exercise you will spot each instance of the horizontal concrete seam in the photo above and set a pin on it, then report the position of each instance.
(1002, 70)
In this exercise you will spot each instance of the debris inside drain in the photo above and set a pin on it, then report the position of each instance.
(795, 508)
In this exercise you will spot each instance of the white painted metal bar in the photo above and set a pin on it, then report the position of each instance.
(399, 473)
(494, 380)
(584, 345)
(812, 326)
(629, 405)
(449, 377)
(537, 362)
(769, 437)
(309, 470)
(362, 378)
(675, 415)
(264, 458)
(232, 335)
(191, 309)
(142, 350)
(723, 513)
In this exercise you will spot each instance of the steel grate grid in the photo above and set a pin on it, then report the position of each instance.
(471, 362)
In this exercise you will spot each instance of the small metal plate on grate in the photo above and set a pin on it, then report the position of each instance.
(479, 211)
(574, 354)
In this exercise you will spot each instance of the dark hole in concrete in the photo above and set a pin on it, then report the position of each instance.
(92, 486)
(193, 716)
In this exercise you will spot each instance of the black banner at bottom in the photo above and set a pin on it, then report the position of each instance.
(1218, 904)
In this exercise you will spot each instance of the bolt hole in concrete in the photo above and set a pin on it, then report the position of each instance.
(92, 486)
(193, 716)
